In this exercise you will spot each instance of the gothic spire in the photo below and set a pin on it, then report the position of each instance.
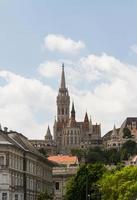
(86, 118)
(48, 135)
(73, 111)
(63, 84)
(114, 132)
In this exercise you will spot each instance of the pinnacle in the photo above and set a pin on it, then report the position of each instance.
(63, 84)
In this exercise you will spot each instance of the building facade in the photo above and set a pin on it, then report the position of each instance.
(48, 144)
(115, 138)
(24, 172)
(68, 166)
(68, 132)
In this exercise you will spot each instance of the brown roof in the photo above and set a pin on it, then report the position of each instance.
(64, 159)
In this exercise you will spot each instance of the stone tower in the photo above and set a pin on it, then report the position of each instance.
(48, 136)
(63, 100)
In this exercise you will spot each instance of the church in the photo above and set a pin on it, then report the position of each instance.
(67, 131)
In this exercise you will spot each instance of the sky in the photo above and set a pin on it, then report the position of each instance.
(97, 42)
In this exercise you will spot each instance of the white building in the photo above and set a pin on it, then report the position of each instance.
(68, 166)
(24, 172)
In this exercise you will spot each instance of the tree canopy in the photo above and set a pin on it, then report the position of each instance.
(80, 186)
(126, 133)
(45, 196)
(119, 185)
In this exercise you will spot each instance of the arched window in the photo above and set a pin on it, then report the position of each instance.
(62, 111)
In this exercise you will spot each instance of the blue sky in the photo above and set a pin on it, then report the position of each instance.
(105, 26)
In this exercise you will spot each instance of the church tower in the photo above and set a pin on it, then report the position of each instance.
(63, 100)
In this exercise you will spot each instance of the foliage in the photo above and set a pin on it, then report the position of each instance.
(119, 185)
(95, 155)
(45, 196)
(85, 180)
(112, 156)
(128, 149)
(107, 156)
(79, 153)
(126, 133)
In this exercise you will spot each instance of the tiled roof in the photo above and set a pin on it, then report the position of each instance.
(20, 141)
(64, 159)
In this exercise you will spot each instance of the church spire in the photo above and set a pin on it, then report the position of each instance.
(73, 112)
(86, 120)
(63, 84)
(63, 100)
(48, 135)
(114, 132)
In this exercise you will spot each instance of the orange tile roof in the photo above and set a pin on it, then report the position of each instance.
(63, 159)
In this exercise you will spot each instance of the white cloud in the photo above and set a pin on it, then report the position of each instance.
(23, 101)
(105, 86)
(59, 43)
(134, 48)
(49, 69)
(102, 84)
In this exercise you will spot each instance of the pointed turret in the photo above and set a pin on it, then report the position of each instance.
(63, 83)
(114, 132)
(86, 120)
(48, 135)
(73, 112)
(90, 125)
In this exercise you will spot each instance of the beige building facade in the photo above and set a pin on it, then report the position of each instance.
(24, 172)
(115, 138)
(68, 166)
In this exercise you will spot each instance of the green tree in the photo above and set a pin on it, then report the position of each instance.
(45, 196)
(128, 149)
(84, 182)
(112, 156)
(80, 153)
(119, 185)
(126, 133)
(95, 155)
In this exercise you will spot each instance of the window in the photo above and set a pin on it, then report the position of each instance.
(57, 185)
(71, 140)
(16, 197)
(75, 139)
(67, 140)
(4, 196)
(1, 160)
(59, 111)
